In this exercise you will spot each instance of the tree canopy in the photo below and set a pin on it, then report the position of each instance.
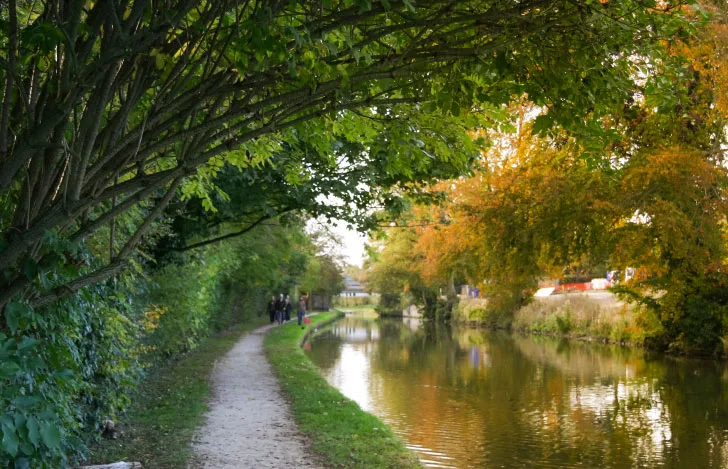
(111, 108)
(653, 199)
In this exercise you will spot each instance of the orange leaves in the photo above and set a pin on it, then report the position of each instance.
(707, 55)
(682, 175)
(530, 209)
(678, 194)
(720, 70)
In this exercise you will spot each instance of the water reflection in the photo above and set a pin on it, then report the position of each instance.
(469, 398)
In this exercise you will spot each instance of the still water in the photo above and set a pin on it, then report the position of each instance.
(472, 398)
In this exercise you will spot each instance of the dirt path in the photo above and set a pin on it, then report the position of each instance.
(249, 424)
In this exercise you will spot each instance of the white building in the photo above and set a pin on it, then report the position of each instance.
(353, 288)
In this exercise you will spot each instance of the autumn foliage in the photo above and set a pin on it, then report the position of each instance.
(542, 205)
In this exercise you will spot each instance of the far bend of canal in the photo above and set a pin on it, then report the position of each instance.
(462, 397)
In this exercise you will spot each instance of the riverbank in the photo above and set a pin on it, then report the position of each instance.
(581, 317)
(168, 408)
(591, 318)
(338, 429)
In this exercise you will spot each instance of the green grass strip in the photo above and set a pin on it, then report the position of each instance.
(338, 429)
(169, 407)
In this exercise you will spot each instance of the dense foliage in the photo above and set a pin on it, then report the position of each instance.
(135, 132)
(67, 370)
(111, 107)
(654, 199)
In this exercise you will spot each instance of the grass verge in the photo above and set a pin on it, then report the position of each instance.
(168, 408)
(338, 429)
(579, 317)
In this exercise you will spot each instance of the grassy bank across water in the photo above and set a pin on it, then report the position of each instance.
(339, 430)
(580, 317)
(573, 316)
(169, 407)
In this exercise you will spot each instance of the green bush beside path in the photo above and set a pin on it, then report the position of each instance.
(169, 407)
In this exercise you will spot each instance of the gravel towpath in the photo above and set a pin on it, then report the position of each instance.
(249, 424)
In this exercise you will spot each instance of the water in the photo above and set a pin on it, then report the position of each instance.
(471, 398)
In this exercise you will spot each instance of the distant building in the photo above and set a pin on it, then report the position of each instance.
(353, 288)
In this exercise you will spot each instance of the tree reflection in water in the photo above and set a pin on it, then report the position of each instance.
(464, 397)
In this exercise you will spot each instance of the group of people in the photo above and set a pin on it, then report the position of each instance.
(280, 309)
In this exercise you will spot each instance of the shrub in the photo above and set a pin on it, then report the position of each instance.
(390, 304)
(444, 308)
(187, 310)
(581, 315)
(63, 371)
(478, 310)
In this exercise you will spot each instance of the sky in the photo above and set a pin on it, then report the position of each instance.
(352, 242)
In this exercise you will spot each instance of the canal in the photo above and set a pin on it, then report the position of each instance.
(462, 397)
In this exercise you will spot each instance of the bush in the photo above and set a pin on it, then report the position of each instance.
(478, 310)
(689, 317)
(63, 371)
(182, 313)
(444, 308)
(580, 315)
(390, 304)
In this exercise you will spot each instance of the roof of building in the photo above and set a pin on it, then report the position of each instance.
(352, 285)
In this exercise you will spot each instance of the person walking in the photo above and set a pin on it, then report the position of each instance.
(289, 308)
(280, 307)
(301, 308)
(272, 308)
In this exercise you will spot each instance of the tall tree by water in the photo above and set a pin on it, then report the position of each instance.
(652, 199)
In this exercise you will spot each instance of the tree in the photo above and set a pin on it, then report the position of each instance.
(394, 267)
(534, 207)
(673, 196)
(115, 106)
(323, 276)
(342, 180)
(652, 199)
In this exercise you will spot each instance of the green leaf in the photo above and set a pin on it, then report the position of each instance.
(50, 434)
(364, 5)
(10, 441)
(8, 369)
(542, 124)
(44, 35)
(26, 402)
(6, 422)
(31, 269)
(501, 63)
(14, 311)
(33, 431)
(10, 437)
(64, 375)
(19, 421)
(27, 450)
(28, 343)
